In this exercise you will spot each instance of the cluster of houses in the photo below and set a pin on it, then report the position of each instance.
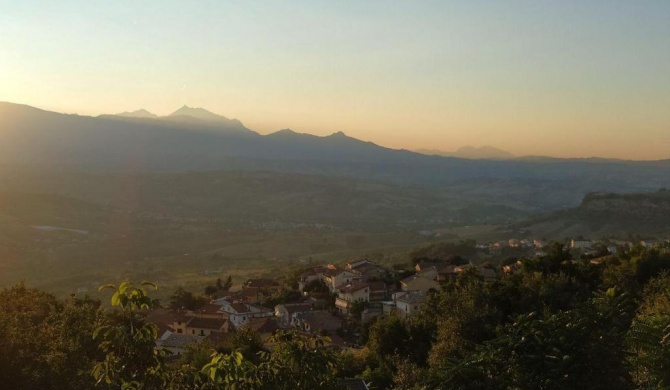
(358, 292)
(536, 247)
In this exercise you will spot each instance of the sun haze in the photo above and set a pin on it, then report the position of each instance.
(567, 79)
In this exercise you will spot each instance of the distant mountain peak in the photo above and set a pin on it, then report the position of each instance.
(141, 113)
(472, 152)
(198, 113)
(339, 134)
(283, 133)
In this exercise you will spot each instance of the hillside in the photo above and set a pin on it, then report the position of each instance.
(608, 214)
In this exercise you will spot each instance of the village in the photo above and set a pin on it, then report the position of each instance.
(336, 300)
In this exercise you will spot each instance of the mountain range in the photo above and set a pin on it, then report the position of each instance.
(194, 139)
(471, 152)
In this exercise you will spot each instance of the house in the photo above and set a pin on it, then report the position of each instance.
(440, 273)
(263, 327)
(408, 303)
(249, 295)
(309, 276)
(317, 321)
(580, 244)
(648, 243)
(200, 326)
(420, 283)
(178, 343)
(336, 278)
(511, 269)
(220, 293)
(210, 310)
(285, 312)
(378, 291)
(488, 274)
(239, 312)
(424, 266)
(203, 326)
(265, 286)
(367, 269)
(350, 293)
(165, 318)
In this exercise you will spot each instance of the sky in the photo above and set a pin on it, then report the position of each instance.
(559, 78)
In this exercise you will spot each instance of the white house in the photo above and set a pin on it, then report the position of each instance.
(349, 293)
(238, 312)
(336, 278)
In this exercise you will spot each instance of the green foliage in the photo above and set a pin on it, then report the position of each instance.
(45, 343)
(182, 299)
(649, 344)
(450, 252)
(299, 362)
(555, 324)
(282, 296)
(127, 341)
(316, 287)
(580, 348)
(131, 360)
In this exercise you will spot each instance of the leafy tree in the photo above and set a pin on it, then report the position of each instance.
(316, 287)
(45, 343)
(299, 362)
(182, 299)
(649, 336)
(580, 348)
(127, 340)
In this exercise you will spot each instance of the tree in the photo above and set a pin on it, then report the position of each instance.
(45, 343)
(127, 340)
(182, 299)
(579, 348)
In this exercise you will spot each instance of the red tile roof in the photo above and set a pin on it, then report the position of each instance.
(206, 323)
(352, 287)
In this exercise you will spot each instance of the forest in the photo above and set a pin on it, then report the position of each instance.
(556, 323)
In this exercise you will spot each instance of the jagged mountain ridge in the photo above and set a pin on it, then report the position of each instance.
(111, 143)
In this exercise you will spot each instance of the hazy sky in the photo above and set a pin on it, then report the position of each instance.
(563, 78)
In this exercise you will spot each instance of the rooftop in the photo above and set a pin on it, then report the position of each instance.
(296, 307)
(177, 340)
(320, 320)
(352, 287)
(206, 323)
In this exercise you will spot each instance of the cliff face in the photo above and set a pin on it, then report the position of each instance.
(646, 206)
(604, 214)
